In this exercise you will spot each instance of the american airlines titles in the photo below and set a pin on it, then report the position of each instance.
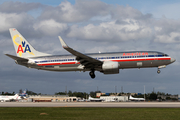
(135, 54)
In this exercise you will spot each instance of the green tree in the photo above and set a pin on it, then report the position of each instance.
(31, 92)
(93, 94)
(70, 93)
(160, 93)
(60, 93)
(20, 91)
(153, 96)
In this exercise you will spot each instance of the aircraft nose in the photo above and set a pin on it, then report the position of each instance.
(173, 60)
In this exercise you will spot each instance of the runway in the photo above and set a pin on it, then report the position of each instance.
(94, 104)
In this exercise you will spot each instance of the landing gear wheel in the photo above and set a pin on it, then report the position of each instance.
(158, 71)
(92, 74)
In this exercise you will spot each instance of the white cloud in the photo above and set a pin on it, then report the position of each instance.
(50, 27)
(124, 23)
(18, 7)
(14, 20)
(81, 11)
(157, 29)
(110, 31)
(122, 12)
(170, 38)
(167, 30)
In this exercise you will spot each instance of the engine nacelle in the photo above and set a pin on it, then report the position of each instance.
(110, 67)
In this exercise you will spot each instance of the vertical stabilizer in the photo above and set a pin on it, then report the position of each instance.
(90, 97)
(22, 46)
(16, 96)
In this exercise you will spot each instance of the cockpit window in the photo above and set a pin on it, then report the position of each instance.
(165, 55)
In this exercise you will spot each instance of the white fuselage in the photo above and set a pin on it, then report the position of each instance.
(125, 60)
(107, 63)
(8, 98)
(136, 99)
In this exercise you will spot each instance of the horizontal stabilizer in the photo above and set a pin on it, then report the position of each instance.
(17, 58)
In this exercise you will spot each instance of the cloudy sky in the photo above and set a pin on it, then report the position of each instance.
(91, 26)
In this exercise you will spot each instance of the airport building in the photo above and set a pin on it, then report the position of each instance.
(51, 98)
(100, 94)
(165, 97)
(65, 98)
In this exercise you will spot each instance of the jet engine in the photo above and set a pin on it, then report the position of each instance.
(110, 67)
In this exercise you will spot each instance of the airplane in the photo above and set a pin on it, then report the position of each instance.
(135, 99)
(95, 99)
(23, 94)
(107, 63)
(9, 98)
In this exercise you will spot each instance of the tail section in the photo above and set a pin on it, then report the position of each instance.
(130, 97)
(16, 96)
(22, 46)
(24, 93)
(90, 97)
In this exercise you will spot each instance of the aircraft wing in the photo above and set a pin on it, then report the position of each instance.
(85, 60)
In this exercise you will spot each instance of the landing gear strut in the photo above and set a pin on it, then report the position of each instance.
(92, 74)
(158, 71)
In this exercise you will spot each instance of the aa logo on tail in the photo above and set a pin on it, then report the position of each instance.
(23, 47)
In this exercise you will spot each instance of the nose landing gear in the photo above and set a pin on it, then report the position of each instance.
(159, 67)
(92, 74)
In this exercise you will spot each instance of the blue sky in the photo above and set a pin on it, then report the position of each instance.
(142, 5)
(158, 8)
(91, 26)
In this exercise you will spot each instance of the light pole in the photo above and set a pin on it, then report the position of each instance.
(144, 93)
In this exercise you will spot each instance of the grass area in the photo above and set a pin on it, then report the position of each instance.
(89, 113)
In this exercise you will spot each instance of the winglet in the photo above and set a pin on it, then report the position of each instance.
(62, 42)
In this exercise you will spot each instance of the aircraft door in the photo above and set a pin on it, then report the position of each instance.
(155, 57)
(139, 64)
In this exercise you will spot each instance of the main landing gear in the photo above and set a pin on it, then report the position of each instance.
(158, 71)
(91, 73)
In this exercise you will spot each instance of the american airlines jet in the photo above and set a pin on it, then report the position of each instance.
(107, 63)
